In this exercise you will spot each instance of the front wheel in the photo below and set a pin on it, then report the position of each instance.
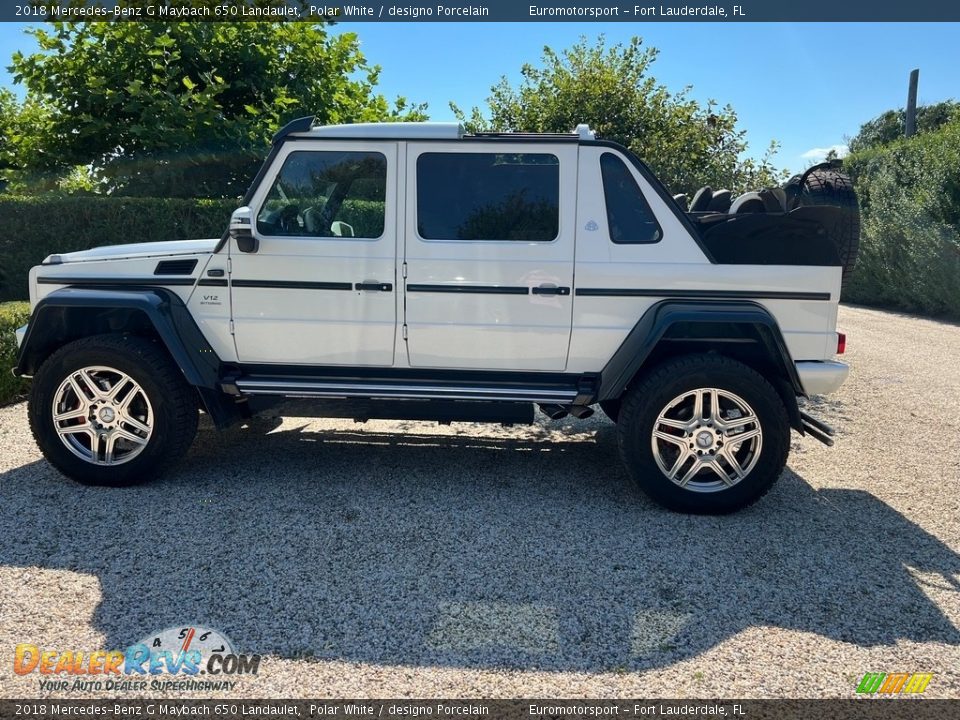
(704, 434)
(112, 410)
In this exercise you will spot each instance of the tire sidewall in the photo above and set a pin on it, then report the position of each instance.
(637, 428)
(128, 358)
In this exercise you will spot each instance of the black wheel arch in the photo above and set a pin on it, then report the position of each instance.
(71, 313)
(741, 329)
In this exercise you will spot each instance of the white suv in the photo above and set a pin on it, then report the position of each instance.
(412, 271)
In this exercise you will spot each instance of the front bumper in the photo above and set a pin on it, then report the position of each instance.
(822, 378)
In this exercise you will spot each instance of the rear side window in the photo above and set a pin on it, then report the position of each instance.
(327, 194)
(629, 217)
(488, 196)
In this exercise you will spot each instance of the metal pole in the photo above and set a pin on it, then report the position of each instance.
(911, 125)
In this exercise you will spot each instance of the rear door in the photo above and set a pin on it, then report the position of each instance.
(321, 288)
(489, 250)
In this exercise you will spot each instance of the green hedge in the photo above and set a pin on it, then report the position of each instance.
(910, 248)
(12, 316)
(35, 227)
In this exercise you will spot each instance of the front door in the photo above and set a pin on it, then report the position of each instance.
(321, 288)
(489, 249)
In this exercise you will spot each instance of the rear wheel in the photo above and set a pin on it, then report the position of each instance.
(112, 410)
(704, 434)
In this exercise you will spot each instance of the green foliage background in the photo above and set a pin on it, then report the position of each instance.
(35, 227)
(687, 144)
(909, 192)
(12, 316)
(177, 109)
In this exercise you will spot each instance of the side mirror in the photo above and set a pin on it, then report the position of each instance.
(241, 230)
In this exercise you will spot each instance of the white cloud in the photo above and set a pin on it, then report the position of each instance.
(818, 154)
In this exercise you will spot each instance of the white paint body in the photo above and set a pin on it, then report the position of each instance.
(569, 333)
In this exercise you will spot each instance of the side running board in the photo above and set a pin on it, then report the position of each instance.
(397, 389)
(817, 429)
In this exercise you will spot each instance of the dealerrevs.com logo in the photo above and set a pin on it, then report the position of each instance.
(185, 653)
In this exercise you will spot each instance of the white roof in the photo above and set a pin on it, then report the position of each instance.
(390, 131)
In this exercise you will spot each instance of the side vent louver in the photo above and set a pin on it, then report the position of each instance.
(175, 267)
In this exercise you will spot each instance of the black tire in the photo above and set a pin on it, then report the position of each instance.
(172, 403)
(676, 377)
(832, 187)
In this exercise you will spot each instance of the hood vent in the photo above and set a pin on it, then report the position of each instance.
(175, 267)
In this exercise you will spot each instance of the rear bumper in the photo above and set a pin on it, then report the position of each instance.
(822, 378)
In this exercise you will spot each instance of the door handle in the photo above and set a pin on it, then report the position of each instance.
(374, 286)
(551, 290)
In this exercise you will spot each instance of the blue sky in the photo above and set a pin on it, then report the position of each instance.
(807, 85)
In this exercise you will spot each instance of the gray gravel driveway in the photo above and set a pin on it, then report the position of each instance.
(409, 559)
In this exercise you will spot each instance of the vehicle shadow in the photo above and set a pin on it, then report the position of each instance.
(416, 547)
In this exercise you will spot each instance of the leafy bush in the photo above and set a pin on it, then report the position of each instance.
(34, 227)
(910, 248)
(12, 316)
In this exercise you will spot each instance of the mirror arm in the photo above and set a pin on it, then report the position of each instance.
(246, 242)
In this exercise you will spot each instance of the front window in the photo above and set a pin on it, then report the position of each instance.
(327, 194)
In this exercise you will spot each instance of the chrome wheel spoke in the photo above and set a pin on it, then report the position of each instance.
(102, 415)
(128, 419)
(714, 464)
(90, 388)
(95, 445)
(688, 475)
(730, 447)
(75, 429)
(135, 439)
(727, 424)
(675, 439)
(121, 384)
(80, 412)
(677, 424)
(108, 443)
(738, 438)
(714, 413)
(681, 460)
(698, 405)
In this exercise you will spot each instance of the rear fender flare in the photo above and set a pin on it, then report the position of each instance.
(630, 359)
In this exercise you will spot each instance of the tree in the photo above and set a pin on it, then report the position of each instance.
(187, 109)
(687, 144)
(889, 126)
(24, 127)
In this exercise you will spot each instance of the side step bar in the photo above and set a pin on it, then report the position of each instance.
(392, 390)
(817, 429)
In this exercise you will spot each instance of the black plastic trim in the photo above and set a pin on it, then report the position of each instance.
(702, 294)
(292, 285)
(54, 322)
(149, 280)
(213, 283)
(653, 325)
(470, 289)
(176, 267)
(374, 286)
(303, 124)
(551, 291)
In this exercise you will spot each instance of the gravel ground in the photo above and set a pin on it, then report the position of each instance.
(409, 559)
